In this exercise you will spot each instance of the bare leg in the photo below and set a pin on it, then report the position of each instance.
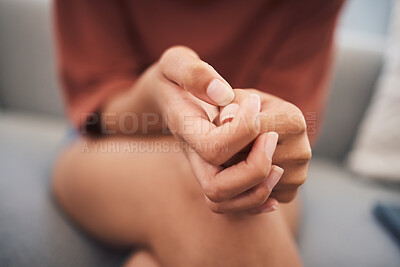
(291, 214)
(152, 199)
(142, 258)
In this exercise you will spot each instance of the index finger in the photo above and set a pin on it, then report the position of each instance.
(229, 138)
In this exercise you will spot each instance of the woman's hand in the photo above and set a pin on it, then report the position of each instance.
(179, 81)
(293, 151)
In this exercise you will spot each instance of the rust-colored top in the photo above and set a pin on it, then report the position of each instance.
(282, 47)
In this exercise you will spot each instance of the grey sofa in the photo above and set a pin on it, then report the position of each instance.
(338, 228)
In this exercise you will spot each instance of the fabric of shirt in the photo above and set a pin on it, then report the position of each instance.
(282, 47)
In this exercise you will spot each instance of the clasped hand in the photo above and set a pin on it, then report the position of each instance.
(248, 149)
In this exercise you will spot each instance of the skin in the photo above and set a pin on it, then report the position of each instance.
(180, 207)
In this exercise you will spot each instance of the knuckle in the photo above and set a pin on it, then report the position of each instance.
(260, 196)
(214, 207)
(248, 123)
(286, 196)
(298, 124)
(213, 158)
(173, 52)
(262, 169)
(196, 71)
(297, 121)
(295, 183)
(305, 156)
(213, 192)
(167, 55)
(253, 126)
(267, 162)
(292, 183)
(197, 68)
(302, 180)
(297, 155)
(295, 110)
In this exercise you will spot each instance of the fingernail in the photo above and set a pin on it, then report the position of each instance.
(255, 102)
(273, 177)
(228, 113)
(220, 93)
(269, 209)
(270, 143)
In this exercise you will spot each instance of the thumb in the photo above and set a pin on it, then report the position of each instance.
(182, 66)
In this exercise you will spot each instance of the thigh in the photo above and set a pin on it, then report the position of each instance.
(112, 187)
(143, 192)
(187, 233)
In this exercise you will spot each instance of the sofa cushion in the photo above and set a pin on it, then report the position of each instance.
(357, 56)
(338, 227)
(32, 230)
(376, 153)
(28, 79)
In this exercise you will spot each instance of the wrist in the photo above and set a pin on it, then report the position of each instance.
(134, 111)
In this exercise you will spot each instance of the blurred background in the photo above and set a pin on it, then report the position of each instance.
(356, 163)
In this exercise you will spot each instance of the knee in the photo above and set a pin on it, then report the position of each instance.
(141, 258)
(61, 170)
(262, 240)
